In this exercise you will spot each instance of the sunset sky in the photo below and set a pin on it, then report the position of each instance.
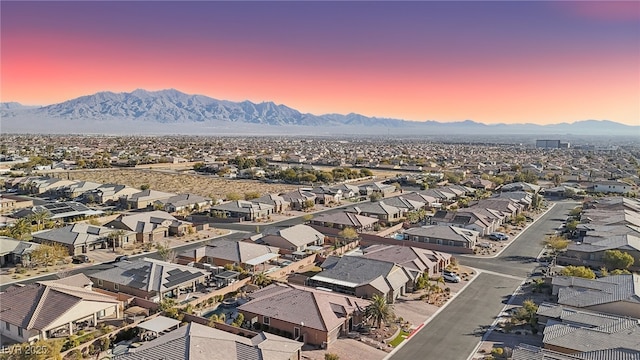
(492, 62)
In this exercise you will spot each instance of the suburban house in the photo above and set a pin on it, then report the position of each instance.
(575, 331)
(379, 210)
(341, 220)
(80, 238)
(78, 188)
(294, 238)
(612, 186)
(404, 204)
(363, 277)
(429, 200)
(348, 191)
(467, 219)
(15, 252)
(247, 254)
(618, 294)
(244, 210)
(151, 226)
(108, 194)
(376, 187)
(145, 199)
(9, 203)
(521, 186)
(41, 185)
(521, 197)
(60, 210)
(327, 195)
(416, 261)
(149, 279)
(478, 183)
(183, 202)
(56, 308)
(313, 316)
(279, 204)
(590, 251)
(447, 238)
(297, 198)
(200, 342)
(506, 206)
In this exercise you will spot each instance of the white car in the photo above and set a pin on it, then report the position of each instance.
(450, 277)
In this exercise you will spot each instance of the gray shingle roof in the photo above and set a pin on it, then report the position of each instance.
(579, 292)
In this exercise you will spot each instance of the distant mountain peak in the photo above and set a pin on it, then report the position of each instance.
(171, 106)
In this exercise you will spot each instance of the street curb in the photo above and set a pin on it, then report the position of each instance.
(424, 324)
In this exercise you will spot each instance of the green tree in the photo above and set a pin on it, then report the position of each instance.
(379, 311)
(40, 216)
(232, 196)
(331, 356)
(21, 229)
(556, 243)
(115, 237)
(376, 196)
(250, 195)
(48, 254)
(616, 259)
(308, 204)
(165, 252)
(261, 280)
(578, 271)
(238, 320)
(572, 225)
(144, 187)
(620, 272)
(350, 234)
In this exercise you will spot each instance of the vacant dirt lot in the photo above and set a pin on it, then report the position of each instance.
(175, 182)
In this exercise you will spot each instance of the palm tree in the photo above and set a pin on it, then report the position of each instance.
(116, 237)
(379, 310)
(39, 217)
(261, 280)
(20, 228)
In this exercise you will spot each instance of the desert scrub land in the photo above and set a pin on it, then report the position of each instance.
(216, 188)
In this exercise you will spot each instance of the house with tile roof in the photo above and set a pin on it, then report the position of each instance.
(183, 202)
(81, 238)
(199, 342)
(571, 331)
(468, 218)
(379, 210)
(363, 277)
(293, 238)
(297, 198)
(151, 226)
(618, 294)
(591, 250)
(108, 194)
(244, 210)
(450, 236)
(14, 251)
(56, 308)
(341, 220)
(247, 254)
(278, 202)
(313, 316)
(149, 278)
(416, 261)
(145, 198)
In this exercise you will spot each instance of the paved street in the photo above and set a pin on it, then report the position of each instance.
(450, 334)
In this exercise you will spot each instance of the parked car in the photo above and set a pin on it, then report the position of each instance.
(485, 245)
(450, 277)
(122, 258)
(80, 259)
(498, 236)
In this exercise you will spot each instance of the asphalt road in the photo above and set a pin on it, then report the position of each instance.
(451, 333)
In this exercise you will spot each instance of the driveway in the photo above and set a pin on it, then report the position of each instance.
(347, 349)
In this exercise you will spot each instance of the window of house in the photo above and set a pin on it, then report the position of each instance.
(296, 332)
(116, 287)
(99, 282)
(439, 241)
(7, 325)
(592, 256)
(101, 313)
(451, 243)
(19, 331)
(266, 320)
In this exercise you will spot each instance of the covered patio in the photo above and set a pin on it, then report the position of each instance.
(262, 259)
(157, 326)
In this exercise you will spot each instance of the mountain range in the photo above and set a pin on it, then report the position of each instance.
(173, 112)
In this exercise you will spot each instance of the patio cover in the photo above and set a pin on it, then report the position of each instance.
(261, 259)
(228, 275)
(314, 248)
(159, 324)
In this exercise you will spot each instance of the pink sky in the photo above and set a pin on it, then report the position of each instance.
(489, 61)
